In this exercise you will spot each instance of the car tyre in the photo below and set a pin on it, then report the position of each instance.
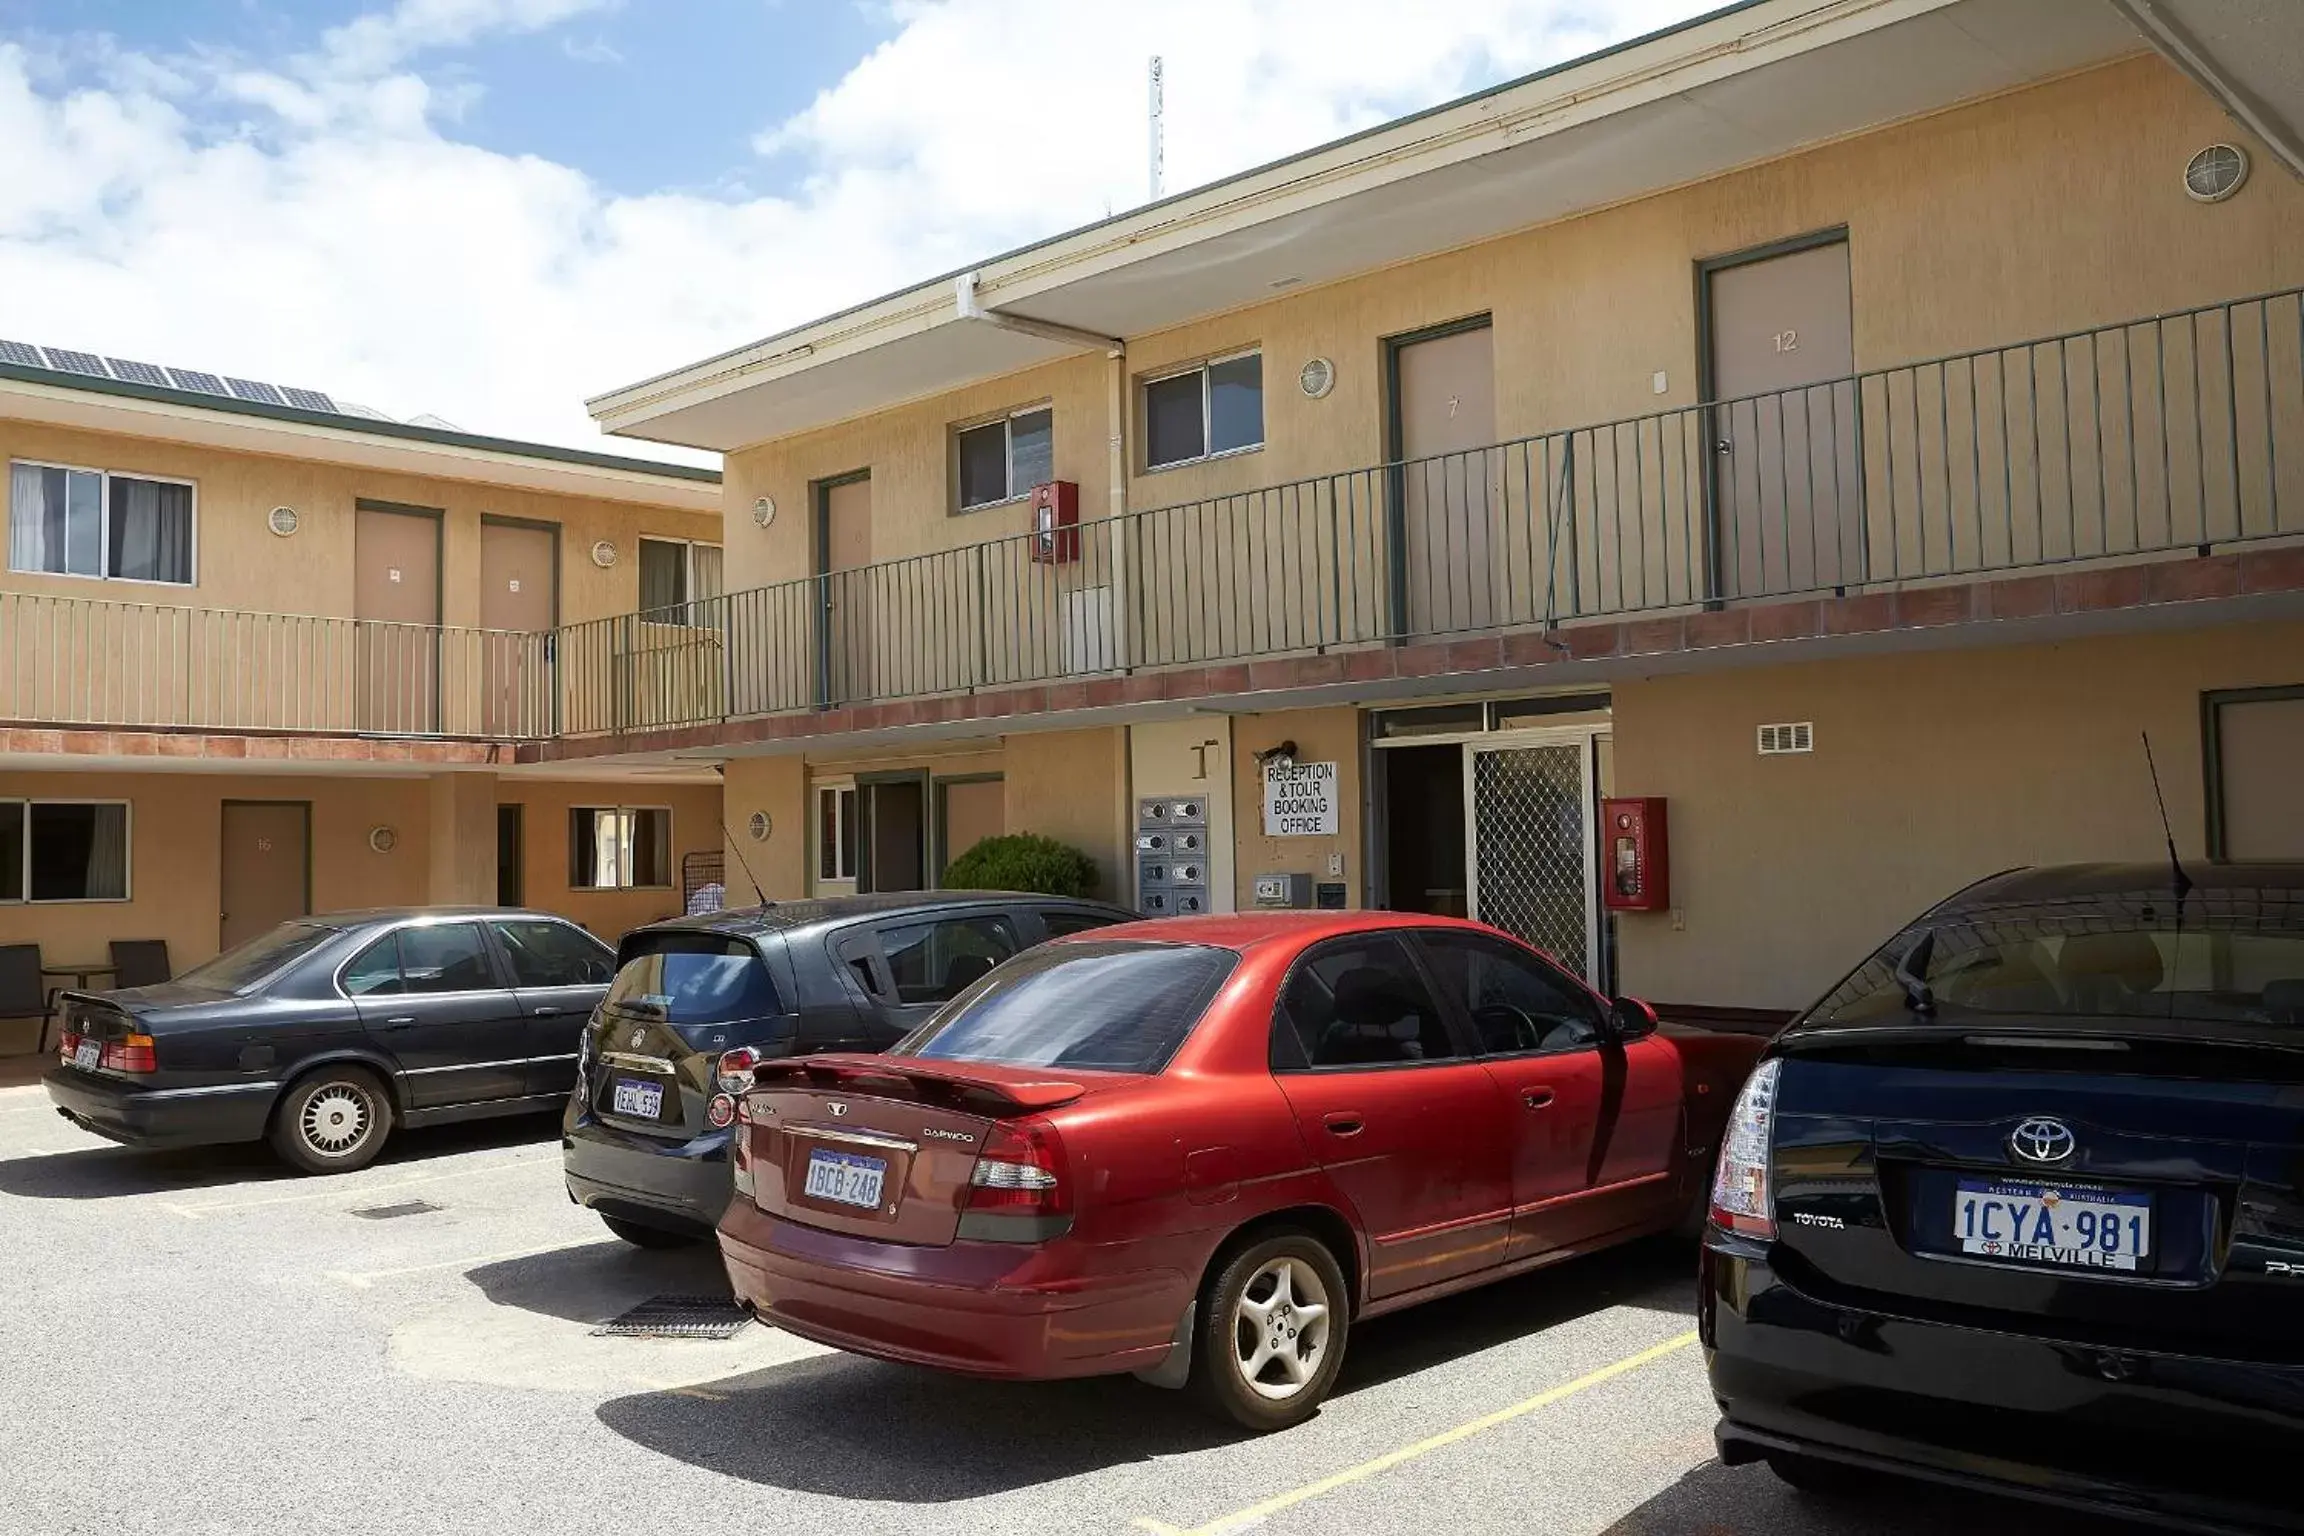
(641, 1236)
(1813, 1474)
(333, 1121)
(1274, 1323)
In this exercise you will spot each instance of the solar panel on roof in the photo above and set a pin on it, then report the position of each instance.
(194, 379)
(309, 399)
(137, 373)
(20, 355)
(254, 390)
(78, 362)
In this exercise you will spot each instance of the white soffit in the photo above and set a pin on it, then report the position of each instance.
(1742, 87)
(2248, 54)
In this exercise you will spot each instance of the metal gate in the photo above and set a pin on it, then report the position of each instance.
(1529, 844)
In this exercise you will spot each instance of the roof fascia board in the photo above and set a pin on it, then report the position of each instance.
(1566, 95)
(438, 455)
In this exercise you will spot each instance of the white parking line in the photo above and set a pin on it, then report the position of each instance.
(339, 1192)
(362, 1279)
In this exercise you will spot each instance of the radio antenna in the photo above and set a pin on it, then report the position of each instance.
(2183, 881)
(745, 865)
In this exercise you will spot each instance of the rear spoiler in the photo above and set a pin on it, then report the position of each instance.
(952, 1084)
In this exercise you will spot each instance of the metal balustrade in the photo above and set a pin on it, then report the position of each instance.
(2161, 436)
(74, 661)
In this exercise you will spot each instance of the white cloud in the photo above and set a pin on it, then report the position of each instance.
(316, 221)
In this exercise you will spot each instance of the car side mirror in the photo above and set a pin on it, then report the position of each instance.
(1634, 1019)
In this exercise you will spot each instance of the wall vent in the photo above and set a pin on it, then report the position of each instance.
(1776, 740)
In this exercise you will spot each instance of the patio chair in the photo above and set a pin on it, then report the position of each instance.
(140, 962)
(22, 995)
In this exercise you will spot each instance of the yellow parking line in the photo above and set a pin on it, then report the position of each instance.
(1255, 1513)
(362, 1279)
(360, 1191)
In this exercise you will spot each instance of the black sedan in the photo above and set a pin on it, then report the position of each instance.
(327, 1033)
(700, 1001)
(2020, 1204)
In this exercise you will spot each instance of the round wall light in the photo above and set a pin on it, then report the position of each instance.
(604, 554)
(383, 839)
(1316, 378)
(760, 826)
(283, 521)
(764, 511)
(2216, 173)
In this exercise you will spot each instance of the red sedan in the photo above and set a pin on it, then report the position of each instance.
(1200, 1149)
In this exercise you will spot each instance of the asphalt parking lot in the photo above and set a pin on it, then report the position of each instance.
(200, 1342)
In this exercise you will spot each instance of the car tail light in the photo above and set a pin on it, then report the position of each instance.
(721, 1112)
(67, 1047)
(1019, 1172)
(1742, 1200)
(133, 1054)
(734, 1073)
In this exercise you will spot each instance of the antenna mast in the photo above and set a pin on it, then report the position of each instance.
(1159, 148)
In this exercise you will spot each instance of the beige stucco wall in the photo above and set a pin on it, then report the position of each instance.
(242, 565)
(2044, 210)
(176, 827)
(1930, 771)
(778, 786)
(1321, 736)
(1073, 786)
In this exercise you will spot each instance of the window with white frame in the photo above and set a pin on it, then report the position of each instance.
(619, 847)
(678, 579)
(1002, 460)
(64, 521)
(836, 832)
(1214, 408)
(63, 850)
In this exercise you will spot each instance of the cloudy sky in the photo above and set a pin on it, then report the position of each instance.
(487, 210)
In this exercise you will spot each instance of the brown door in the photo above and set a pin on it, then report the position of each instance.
(519, 603)
(973, 810)
(267, 866)
(1450, 498)
(1786, 514)
(845, 548)
(895, 837)
(396, 598)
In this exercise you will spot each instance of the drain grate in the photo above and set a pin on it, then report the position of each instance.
(677, 1317)
(404, 1208)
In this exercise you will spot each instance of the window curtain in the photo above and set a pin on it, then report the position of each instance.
(663, 579)
(151, 530)
(108, 853)
(705, 559)
(29, 518)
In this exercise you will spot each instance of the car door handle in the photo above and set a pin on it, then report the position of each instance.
(547, 1012)
(403, 1021)
(1343, 1125)
(1536, 1098)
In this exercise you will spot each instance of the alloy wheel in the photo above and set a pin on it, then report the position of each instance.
(1280, 1328)
(335, 1119)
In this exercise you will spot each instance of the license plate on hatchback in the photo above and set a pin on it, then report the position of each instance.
(88, 1055)
(845, 1178)
(642, 1101)
(2056, 1225)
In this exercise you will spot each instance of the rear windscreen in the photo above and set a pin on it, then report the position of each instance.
(2212, 958)
(693, 978)
(1107, 1007)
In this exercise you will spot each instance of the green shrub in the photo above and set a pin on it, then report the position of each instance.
(1023, 861)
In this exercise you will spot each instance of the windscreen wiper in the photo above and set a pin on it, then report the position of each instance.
(1912, 975)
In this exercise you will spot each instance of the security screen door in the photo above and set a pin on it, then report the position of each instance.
(1531, 840)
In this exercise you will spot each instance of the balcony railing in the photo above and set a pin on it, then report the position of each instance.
(2171, 433)
(71, 661)
(2158, 436)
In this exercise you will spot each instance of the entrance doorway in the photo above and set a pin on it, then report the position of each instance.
(1500, 826)
(895, 828)
(1787, 509)
(396, 599)
(511, 856)
(843, 547)
(266, 871)
(519, 601)
(1448, 490)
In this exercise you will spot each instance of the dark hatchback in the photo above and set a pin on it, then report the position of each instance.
(2020, 1204)
(326, 1033)
(698, 1002)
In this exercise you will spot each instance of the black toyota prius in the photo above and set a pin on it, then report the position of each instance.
(2020, 1204)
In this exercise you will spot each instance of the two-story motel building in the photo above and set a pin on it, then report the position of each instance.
(1852, 423)
(262, 654)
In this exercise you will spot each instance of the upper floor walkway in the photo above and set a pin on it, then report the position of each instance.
(2149, 460)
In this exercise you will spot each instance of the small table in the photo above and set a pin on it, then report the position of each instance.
(79, 975)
